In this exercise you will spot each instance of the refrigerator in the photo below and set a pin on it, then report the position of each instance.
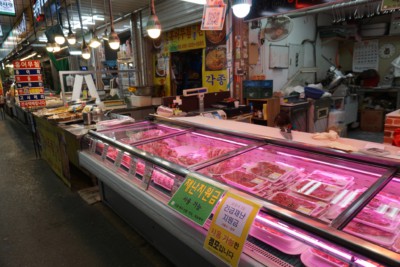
(319, 207)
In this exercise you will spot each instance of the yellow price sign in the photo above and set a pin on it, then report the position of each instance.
(230, 226)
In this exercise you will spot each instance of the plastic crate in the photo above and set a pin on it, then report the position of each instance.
(257, 89)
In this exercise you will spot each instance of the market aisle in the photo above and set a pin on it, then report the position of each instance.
(43, 223)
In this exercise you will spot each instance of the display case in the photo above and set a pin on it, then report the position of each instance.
(320, 207)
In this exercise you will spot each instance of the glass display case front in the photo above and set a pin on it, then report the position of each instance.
(310, 184)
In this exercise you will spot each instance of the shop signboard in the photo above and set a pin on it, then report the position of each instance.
(185, 38)
(390, 4)
(230, 226)
(7, 7)
(196, 199)
(29, 83)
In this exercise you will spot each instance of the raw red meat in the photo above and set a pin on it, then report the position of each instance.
(329, 258)
(374, 217)
(214, 152)
(163, 180)
(316, 189)
(246, 179)
(294, 203)
(226, 165)
(331, 178)
(268, 170)
(365, 229)
(190, 159)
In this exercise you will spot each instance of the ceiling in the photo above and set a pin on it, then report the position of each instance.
(89, 9)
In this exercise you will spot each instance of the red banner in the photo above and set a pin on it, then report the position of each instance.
(27, 64)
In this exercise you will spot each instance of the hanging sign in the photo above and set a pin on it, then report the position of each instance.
(195, 199)
(7, 7)
(213, 16)
(230, 226)
(29, 83)
(185, 38)
(390, 4)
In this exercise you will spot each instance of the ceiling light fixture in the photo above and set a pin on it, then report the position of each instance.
(85, 50)
(113, 39)
(59, 37)
(56, 47)
(153, 26)
(49, 47)
(95, 42)
(71, 38)
(241, 8)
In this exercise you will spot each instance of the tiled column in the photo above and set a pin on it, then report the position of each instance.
(392, 122)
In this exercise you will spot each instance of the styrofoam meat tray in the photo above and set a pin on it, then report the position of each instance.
(244, 180)
(277, 239)
(315, 189)
(373, 234)
(271, 171)
(385, 220)
(341, 181)
(298, 203)
(311, 259)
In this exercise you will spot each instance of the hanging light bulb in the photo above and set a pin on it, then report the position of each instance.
(153, 26)
(95, 42)
(71, 38)
(60, 39)
(85, 50)
(241, 8)
(56, 47)
(49, 47)
(113, 39)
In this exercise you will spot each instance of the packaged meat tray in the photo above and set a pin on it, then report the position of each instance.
(396, 244)
(244, 180)
(373, 234)
(271, 171)
(298, 203)
(315, 189)
(276, 239)
(313, 257)
(141, 135)
(382, 220)
(341, 181)
(163, 180)
(340, 202)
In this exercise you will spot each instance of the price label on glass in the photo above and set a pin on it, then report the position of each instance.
(93, 146)
(132, 167)
(105, 151)
(118, 159)
(230, 226)
(148, 172)
(195, 199)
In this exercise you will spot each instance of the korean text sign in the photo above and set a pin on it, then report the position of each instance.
(195, 199)
(230, 226)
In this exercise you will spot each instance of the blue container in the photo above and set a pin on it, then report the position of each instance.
(311, 92)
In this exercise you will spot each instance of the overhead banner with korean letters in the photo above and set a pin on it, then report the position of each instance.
(29, 81)
(230, 226)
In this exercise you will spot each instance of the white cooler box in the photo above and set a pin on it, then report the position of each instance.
(140, 101)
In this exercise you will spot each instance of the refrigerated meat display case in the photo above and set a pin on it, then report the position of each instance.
(319, 207)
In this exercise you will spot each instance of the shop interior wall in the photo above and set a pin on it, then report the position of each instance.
(302, 36)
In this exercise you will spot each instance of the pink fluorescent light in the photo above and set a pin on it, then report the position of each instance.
(332, 165)
(219, 139)
(284, 228)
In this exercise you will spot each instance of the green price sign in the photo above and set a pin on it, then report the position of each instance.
(195, 199)
(390, 4)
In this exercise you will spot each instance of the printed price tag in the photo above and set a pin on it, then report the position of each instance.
(105, 151)
(118, 159)
(230, 226)
(195, 199)
(132, 167)
(148, 172)
(93, 146)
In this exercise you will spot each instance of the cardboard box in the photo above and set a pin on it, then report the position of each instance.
(372, 120)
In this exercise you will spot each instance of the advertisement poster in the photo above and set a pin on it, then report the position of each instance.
(230, 226)
(215, 75)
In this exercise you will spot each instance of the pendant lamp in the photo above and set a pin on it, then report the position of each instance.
(94, 42)
(49, 47)
(71, 38)
(241, 8)
(113, 39)
(153, 26)
(85, 47)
